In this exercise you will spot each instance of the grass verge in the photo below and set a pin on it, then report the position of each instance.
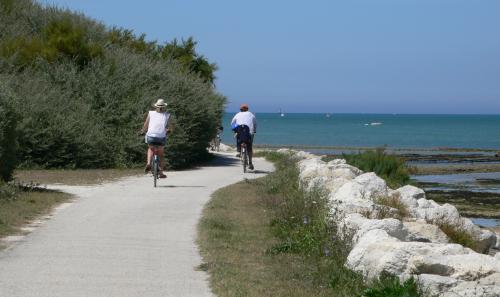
(18, 206)
(267, 237)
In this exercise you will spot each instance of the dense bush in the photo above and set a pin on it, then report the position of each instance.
(60, 39)
(84, 107)
(389, 167)
(8, 138)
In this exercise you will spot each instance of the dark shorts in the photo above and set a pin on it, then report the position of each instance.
(156, 140)
(248, 143)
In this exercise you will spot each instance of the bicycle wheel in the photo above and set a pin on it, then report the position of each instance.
(155, 169)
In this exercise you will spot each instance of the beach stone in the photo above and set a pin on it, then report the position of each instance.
(424, 203)
(311, 168)
(353, 222)
(342, 167)
(367, 186)
(423, 232)
(435, 285)
(332, 185)
(486, 241)
(304, 155)
(472, 289)
(225, 148)
(337, 162)
(409, 195)
(351, 205)
(376, 252)
(445, 213)
(393, 227)
(373, 185)
(470, 266)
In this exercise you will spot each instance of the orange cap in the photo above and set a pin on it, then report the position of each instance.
(244, 107)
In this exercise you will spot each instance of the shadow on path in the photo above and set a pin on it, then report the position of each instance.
(179, 186)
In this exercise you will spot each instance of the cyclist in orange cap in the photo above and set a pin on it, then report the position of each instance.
(244, 124)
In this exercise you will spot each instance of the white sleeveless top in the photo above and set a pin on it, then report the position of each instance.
(157, 124)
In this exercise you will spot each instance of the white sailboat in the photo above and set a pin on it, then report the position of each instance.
(282, 114)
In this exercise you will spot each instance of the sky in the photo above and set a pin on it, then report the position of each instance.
(349, 56)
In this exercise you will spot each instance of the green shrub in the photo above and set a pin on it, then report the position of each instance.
(60, 39)
(390, 286)
(389, 167)
(8, 137)
(84, 92)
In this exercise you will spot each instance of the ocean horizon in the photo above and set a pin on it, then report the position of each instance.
(395, 131)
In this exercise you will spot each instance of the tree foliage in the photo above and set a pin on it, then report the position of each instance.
(8, 138)
(82, 91)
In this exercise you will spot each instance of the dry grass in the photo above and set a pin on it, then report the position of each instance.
(235, 236)
(392, 202)
(73, 177)
(26, 206)
(457, 234)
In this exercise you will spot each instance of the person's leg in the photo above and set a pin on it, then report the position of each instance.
(250, 153)
(238, 145)
(148, 161)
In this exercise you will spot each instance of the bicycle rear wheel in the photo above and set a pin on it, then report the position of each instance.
(155, 169)
(245, 158)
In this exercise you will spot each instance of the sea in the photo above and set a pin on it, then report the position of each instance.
(325, 133)
(398, 131)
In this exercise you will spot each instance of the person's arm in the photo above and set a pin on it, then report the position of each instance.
(146, 125)
(169, 125)
(254, 121)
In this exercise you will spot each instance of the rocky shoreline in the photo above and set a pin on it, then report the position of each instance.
(409, 243)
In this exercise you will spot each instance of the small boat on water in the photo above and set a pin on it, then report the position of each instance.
(328, 115)
(282, 114)
(374, 124)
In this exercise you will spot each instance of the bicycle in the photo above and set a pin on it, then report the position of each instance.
(155, 164)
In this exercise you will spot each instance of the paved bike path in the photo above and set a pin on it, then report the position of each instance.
(122, 239)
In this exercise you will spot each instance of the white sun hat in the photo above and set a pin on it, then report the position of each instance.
(160, 103)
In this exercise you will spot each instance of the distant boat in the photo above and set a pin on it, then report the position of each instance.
(282, 114)
(328, 115)
(374, 124)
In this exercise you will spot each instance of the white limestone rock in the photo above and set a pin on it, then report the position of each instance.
(424, 203)
(305, 155)
(372, 184)
(367, 186)
(472, 289)
(349, 206)
(435, 285)
(337, 162)
(377, 252)
(486, 240)
(423, 232)
(226, 148)
(469, 267)
(409, 195)
(445, 213)
(393, 227)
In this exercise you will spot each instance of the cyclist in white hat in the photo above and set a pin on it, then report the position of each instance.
(157, 126)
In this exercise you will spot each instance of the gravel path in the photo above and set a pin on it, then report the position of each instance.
(121, 239)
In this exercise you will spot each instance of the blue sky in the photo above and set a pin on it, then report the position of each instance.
(355, 56)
